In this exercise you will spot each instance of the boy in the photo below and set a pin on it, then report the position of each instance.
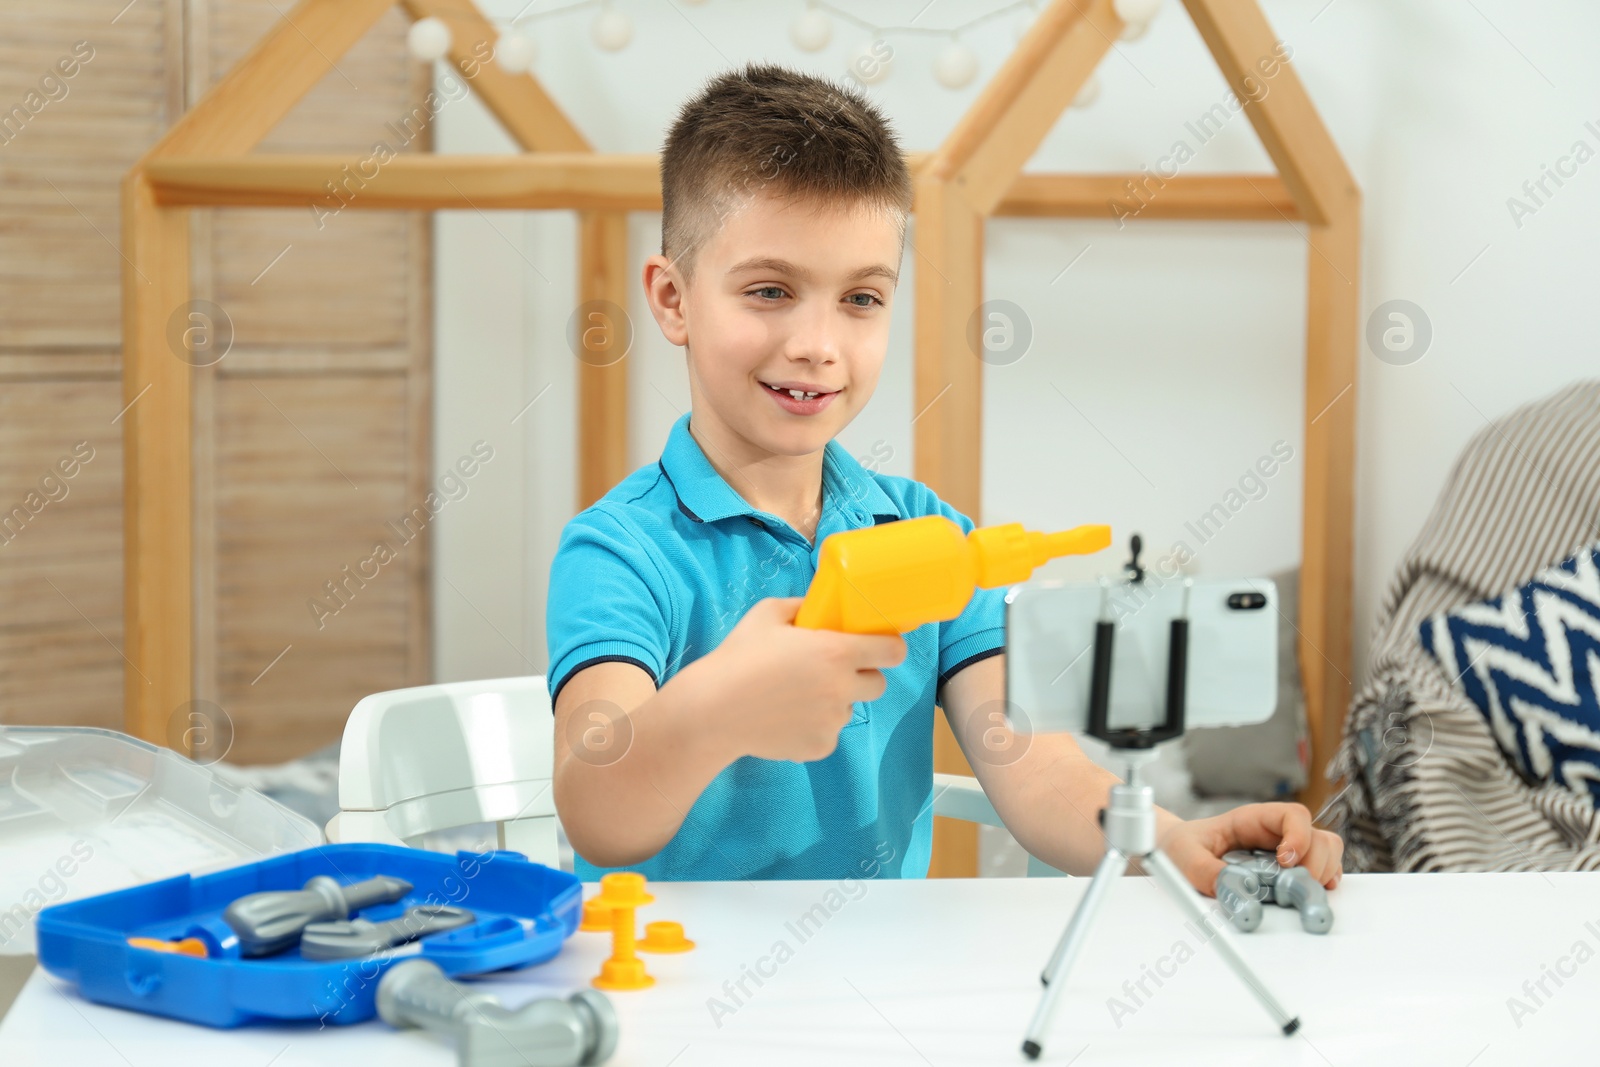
(699, 734)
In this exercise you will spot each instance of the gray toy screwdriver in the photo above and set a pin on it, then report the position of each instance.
(548, 1032)
(273, 921)
(348, 938)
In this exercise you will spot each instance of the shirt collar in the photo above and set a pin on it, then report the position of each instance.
(705, 496)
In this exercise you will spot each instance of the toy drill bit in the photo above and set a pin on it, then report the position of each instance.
(272, 921)
(348, 938)
(548, 1032)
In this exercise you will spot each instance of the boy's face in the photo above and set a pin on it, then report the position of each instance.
(786, 294)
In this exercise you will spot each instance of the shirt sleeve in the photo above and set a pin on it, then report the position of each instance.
(979, 631)
(607, 602)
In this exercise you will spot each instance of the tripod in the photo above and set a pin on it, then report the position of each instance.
(1129, 822)
(1130, 828)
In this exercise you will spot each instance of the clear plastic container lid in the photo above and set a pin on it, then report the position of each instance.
(85, 811)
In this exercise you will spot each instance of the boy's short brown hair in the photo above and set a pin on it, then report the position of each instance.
(770, 129)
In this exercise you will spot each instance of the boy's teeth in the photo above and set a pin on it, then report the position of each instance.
(800, 394)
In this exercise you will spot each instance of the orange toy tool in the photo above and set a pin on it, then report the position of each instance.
(620, 893)
(189, 946)
(895, 577)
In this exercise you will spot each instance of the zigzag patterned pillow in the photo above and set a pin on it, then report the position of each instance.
(1530, 661)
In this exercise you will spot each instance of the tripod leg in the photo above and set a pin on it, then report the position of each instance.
(1177, 886)
(1113, 862)
(1112, 865)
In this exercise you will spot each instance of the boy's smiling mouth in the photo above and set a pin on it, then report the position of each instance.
(800, 398)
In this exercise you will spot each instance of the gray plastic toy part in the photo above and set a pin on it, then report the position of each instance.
(548, 1032)
(349, 938)
(1259, 862)
(273, 921)
(1238, 891)
(1288, 887)
(1297, 889)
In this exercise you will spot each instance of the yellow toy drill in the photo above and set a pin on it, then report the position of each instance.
(895, 577)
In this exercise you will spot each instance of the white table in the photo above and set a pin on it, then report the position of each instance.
(1418, 969)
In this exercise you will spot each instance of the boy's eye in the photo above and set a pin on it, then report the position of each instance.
(775, 292)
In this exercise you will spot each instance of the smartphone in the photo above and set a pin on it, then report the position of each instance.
(1231, 673)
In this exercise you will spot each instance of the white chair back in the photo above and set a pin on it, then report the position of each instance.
(437, 757)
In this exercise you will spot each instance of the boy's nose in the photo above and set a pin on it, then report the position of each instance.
(815, 337)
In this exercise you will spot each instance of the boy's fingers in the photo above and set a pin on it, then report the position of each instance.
(879, 650)
(871, 649)
(1328, 851)
(1302, 845)
(1295, 829)
(1202, 871)
(1286, 828)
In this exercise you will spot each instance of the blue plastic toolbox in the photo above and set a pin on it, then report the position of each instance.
(523, 912)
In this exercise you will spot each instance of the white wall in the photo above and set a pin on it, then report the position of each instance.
(1164, 362)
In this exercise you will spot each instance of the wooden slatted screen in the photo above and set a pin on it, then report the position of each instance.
(65, 142)
(313, 431)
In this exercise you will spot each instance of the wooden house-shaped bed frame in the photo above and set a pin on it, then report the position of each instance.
(205, 160)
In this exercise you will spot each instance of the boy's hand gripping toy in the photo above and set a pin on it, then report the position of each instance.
(273, 921)
(547, 1032)
(1253, 876)
(895, 577)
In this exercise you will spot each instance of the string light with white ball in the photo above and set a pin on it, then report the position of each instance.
(612, 30)
(868, 57)
(515, 53)
(811, 30)
(428, 39)
(956, 66)
(870, 62)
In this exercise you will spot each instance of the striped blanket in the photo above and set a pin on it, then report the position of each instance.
(1425, 786)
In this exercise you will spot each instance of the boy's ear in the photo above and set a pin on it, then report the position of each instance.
(663, 288)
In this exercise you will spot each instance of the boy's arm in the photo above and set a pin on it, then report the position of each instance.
(631, 760)
(1042, 786)
(1048, 792)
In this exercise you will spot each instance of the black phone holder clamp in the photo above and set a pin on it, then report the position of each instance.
(1133, 567)
(1105, 633)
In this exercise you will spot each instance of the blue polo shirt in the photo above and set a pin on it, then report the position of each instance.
(658, 571)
